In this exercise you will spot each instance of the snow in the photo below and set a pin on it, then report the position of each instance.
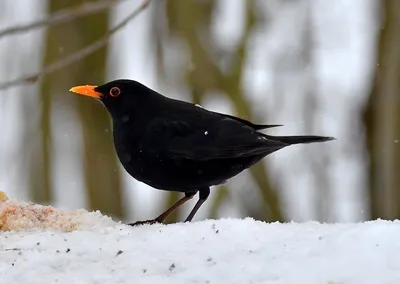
(44, 248)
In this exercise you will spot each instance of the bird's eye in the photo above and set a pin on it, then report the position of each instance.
(115, 91)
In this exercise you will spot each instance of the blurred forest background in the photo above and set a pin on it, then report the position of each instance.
(317, 67)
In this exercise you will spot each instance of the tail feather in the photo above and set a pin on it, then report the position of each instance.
(300, 139)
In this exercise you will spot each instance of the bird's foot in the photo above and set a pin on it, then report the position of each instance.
(148, 222)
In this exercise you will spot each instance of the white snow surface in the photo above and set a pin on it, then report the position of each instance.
(99, 250)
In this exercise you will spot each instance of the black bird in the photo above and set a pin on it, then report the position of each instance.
(179, 146)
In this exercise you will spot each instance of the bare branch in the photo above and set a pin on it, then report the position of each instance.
(63, 16)
(76, 56)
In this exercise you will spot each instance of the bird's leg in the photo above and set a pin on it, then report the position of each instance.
(162, 216)
(203, 195)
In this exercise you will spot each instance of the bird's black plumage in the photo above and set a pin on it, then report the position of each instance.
(178, 146)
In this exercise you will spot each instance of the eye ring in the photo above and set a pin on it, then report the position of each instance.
(115, 91)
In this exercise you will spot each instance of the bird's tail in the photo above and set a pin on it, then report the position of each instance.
(300, 139)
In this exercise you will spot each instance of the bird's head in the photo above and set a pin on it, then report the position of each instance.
(119, 96)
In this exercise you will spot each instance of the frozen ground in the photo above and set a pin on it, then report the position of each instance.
(50, 246)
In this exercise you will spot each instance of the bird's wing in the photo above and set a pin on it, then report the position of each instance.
(200, 140)
(248, 123)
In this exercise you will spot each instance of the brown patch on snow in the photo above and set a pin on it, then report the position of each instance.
(19, 216)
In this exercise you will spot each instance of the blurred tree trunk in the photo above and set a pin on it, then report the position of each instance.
(382, 119)
(190, 23)
(100, 164)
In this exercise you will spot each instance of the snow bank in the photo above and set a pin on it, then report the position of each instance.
(97, 250)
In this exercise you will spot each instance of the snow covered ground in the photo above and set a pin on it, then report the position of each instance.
(49, 246)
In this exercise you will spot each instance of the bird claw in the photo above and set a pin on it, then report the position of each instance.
(147, 222)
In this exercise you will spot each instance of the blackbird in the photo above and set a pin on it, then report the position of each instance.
(175, 145)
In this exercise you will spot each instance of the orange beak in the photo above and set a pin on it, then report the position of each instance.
(86, 91)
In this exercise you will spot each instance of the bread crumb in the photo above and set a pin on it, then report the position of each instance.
(3, 196)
